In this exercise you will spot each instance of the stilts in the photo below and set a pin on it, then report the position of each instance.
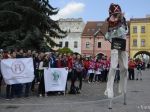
(125, 98)
(110, 104)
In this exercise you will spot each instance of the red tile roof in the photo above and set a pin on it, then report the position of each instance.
(92, 26)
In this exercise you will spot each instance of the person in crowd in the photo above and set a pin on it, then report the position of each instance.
(52, 60)
(19, 87)
(65, 61)
(139, 69)
(36, 67)
(91, 70)
(70, 64)
(27, 85)
(105, 72)
(98, 69)
(72, 73)
(44, 63)
(8, 86)
(131, 66)
(77, 73)
(59, 61)
(14, 87)
(86, 66)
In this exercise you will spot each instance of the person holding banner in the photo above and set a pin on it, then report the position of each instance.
(9, 88)
(44, 63)
(28, 85)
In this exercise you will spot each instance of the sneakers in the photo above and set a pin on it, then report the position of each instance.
(109, 93)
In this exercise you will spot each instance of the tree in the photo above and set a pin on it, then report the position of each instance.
(28, 24)
(65, 50)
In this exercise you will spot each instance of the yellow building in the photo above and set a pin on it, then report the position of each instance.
(139, 36)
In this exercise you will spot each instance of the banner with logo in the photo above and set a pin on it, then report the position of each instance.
(16, 71)
(55, 79)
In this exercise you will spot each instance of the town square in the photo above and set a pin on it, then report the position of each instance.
(74, 56)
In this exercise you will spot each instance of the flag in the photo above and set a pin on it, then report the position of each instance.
(16, 71)
(55, 79)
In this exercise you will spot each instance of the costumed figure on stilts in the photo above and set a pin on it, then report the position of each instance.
(117, 30)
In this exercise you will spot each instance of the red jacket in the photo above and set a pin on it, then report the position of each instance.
(98, 65)
(59, 63)
(131, 65)
(86, 64)
(70, 62)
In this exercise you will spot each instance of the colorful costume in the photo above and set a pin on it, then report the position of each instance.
(117, 30)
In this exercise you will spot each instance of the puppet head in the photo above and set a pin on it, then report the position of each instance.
(115, 15)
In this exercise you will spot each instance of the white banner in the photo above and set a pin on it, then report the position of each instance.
(55, 79)
(17, 71)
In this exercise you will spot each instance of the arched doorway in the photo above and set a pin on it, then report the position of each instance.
(99, 55)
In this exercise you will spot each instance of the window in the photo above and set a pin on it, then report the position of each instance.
(142, 29)
(66, 44)
(75, 44)
(142, 42)
(87, 44)
(134, 42)
(99, 44)
(60, 44)
(134, 29)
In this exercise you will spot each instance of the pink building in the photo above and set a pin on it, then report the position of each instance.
(102, 46)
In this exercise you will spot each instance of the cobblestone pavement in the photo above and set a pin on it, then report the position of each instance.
(91, 99)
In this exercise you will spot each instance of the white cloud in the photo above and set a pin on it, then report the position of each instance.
(69, 10)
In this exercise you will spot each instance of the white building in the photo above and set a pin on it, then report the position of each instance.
(74, 28)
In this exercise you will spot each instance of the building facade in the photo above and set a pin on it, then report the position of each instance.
(74, 28)
(139, 35)
(91, 45)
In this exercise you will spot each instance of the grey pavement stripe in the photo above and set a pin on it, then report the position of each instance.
(68, 103)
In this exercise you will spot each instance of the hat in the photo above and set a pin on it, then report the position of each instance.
(114, 9)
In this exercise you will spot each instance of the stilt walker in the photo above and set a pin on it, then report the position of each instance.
(117, 30)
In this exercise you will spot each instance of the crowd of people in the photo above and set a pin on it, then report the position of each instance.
(80, 68)
(139, 65)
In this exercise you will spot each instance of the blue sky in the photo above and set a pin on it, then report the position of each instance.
(97, 10)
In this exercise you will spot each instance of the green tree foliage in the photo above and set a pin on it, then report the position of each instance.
(28, 24)
(65, 50)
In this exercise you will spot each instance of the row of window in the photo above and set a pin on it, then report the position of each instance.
(87, 45)
(135, 29)
(67, 44)
(135, 43)
(76, 44)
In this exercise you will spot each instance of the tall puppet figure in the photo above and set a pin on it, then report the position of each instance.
(117, 30)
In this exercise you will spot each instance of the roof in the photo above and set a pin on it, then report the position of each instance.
(140, 19)
(92, 26)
